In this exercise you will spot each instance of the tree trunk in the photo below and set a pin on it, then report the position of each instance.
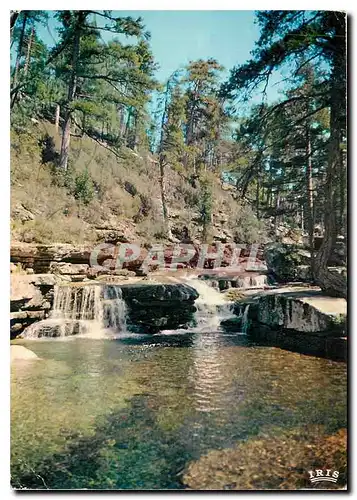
(17, 63)
(127, 128)
(13, 18)
(19, 50)
(257, 194)
(122, 121)
(66, 130)
(165, 214)
(333, 283)
(309, 192)
(343, 190)
(29, 46)
(302, 218)
(57, 117)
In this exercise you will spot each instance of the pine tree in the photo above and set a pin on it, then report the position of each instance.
(103, 78)
(317, 36)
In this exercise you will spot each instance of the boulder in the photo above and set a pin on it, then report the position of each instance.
(19, 352)
(157, 294)
(153, 307)
(111, 236)
(56, 328)
(284, 262)
(31, 299)
(68, 268)
(301, 311)
(21, 213)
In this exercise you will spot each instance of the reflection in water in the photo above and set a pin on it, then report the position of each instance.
(138, 410)
(211, 383)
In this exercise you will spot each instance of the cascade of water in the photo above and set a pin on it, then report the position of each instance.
(245, 319)
(88, 309)
(212, 307)
(114, 308)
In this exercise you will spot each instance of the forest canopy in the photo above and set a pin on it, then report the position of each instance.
(284, 160)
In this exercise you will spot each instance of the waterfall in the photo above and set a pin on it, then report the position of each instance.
(245, 319)
(91, 310)
(212, 307)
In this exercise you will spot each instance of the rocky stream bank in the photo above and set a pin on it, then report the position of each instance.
(276, 301)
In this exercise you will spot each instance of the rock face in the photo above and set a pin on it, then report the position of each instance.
(287, 262)
(152, 308)
(19, 352)
(224, 280)
(145, 307)
(304, 321)
(30, 300)
(301, 313)
(66, 259)
(290, 262)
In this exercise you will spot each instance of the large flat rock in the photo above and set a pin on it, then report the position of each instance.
(19, 352)
(299, 309)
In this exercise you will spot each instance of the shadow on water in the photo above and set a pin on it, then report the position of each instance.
(187, 396)
(129, 451)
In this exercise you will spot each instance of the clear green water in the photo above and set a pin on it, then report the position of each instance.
(132, 413)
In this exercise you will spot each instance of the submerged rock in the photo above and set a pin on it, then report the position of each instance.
(277, 462)
(19, 352)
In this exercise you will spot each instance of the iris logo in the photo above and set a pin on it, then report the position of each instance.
(320, 476)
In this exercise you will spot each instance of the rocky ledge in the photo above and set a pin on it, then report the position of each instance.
(298, 318)
(150, 306)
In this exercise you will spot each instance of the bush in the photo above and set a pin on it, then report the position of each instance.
(83, 187)
(57, 230)
(246, 227)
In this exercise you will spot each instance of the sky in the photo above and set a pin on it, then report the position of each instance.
(178, 37)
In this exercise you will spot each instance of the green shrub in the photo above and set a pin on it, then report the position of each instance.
(246, 227)
(83, 187)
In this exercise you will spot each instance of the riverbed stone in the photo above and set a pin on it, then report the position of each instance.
(69, 269)
(19, 352)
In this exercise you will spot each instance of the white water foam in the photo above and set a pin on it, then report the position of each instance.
(95, 311)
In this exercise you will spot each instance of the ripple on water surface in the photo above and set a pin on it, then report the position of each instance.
(132, 413)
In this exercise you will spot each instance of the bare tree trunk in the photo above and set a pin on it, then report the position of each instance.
(15, 77)
(276, 218)
(57, 117)
(165, 213)
(19, 50)
(343, 189)
(257, 194)
(127, 128)
(66, 130)
(309, 192)
(302, 218)
(122, 121)
(29, 46)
